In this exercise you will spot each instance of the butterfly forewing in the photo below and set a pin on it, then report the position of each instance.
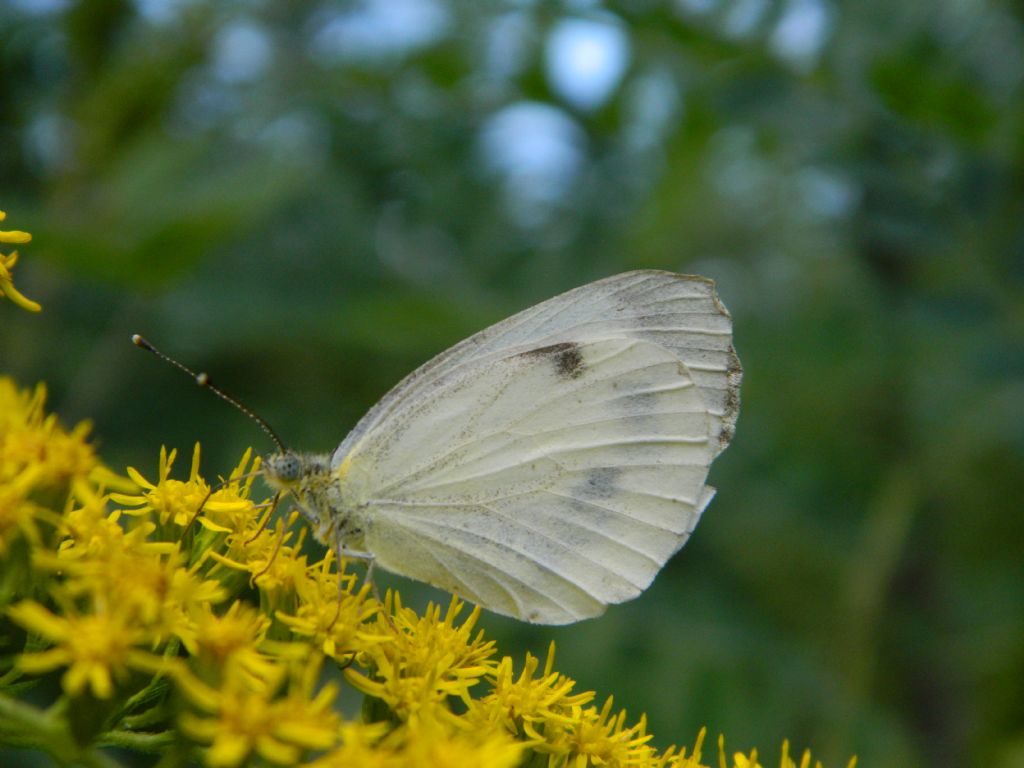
(679, 312)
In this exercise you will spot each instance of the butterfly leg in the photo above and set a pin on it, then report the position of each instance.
(273, 555)
(370, 561)
(344, 553)
(266, 518)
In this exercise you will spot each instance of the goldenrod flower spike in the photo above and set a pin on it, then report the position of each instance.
(7, 262)
(215, 640)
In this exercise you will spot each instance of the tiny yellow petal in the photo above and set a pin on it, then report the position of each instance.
(44, 661)
(140, 481)
(36, 618)
(7, 289)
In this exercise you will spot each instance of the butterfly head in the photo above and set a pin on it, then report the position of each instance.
(307, 478)
(283, 470)
(291, 471)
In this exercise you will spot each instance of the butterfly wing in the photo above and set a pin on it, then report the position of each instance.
(679, 312)
(550, 465)
(545, 484)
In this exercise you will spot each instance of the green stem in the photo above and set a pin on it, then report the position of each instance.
(153, 743)
(152, 694)
(26, 726)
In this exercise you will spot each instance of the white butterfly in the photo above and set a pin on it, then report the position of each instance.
(547, 466)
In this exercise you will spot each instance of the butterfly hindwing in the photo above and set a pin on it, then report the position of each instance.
(544, 483)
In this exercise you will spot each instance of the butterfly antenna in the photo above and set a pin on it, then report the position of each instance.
(203, 380)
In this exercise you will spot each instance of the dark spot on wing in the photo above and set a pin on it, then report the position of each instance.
(570, 362)
(566, 357)
(601, 482)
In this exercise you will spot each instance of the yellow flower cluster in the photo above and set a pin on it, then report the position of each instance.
(7, 262)
(182, 619)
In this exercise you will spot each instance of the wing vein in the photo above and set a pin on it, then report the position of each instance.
(604, 534)
(530, 530)
(541, 453)
(430, 534)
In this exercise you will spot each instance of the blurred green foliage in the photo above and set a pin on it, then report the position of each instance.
(308, 200)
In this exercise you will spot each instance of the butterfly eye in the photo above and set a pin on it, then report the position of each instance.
(285, 468)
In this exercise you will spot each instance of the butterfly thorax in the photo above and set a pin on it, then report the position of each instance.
(320, 495)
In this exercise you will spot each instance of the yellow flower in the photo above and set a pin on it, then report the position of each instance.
(694, 759)
(785, 761)
(17, 512)
(330, 614)
(17, 406)
(598, 737)
(96, 545)
(172, 500)
(742, 761)
(459, 750)
(524, 704)
(32, 440)
(360, 746)
(229, 508)
(185, 591)
(220, 644)
(427, 660)
(266, 559)
(38, 459)
(105, 592)
(422, 743)
(243, 721)
(96, 648)
(7, 263)
(13, 236)
(266, 554)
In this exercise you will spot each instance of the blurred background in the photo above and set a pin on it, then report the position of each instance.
(309, 199)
